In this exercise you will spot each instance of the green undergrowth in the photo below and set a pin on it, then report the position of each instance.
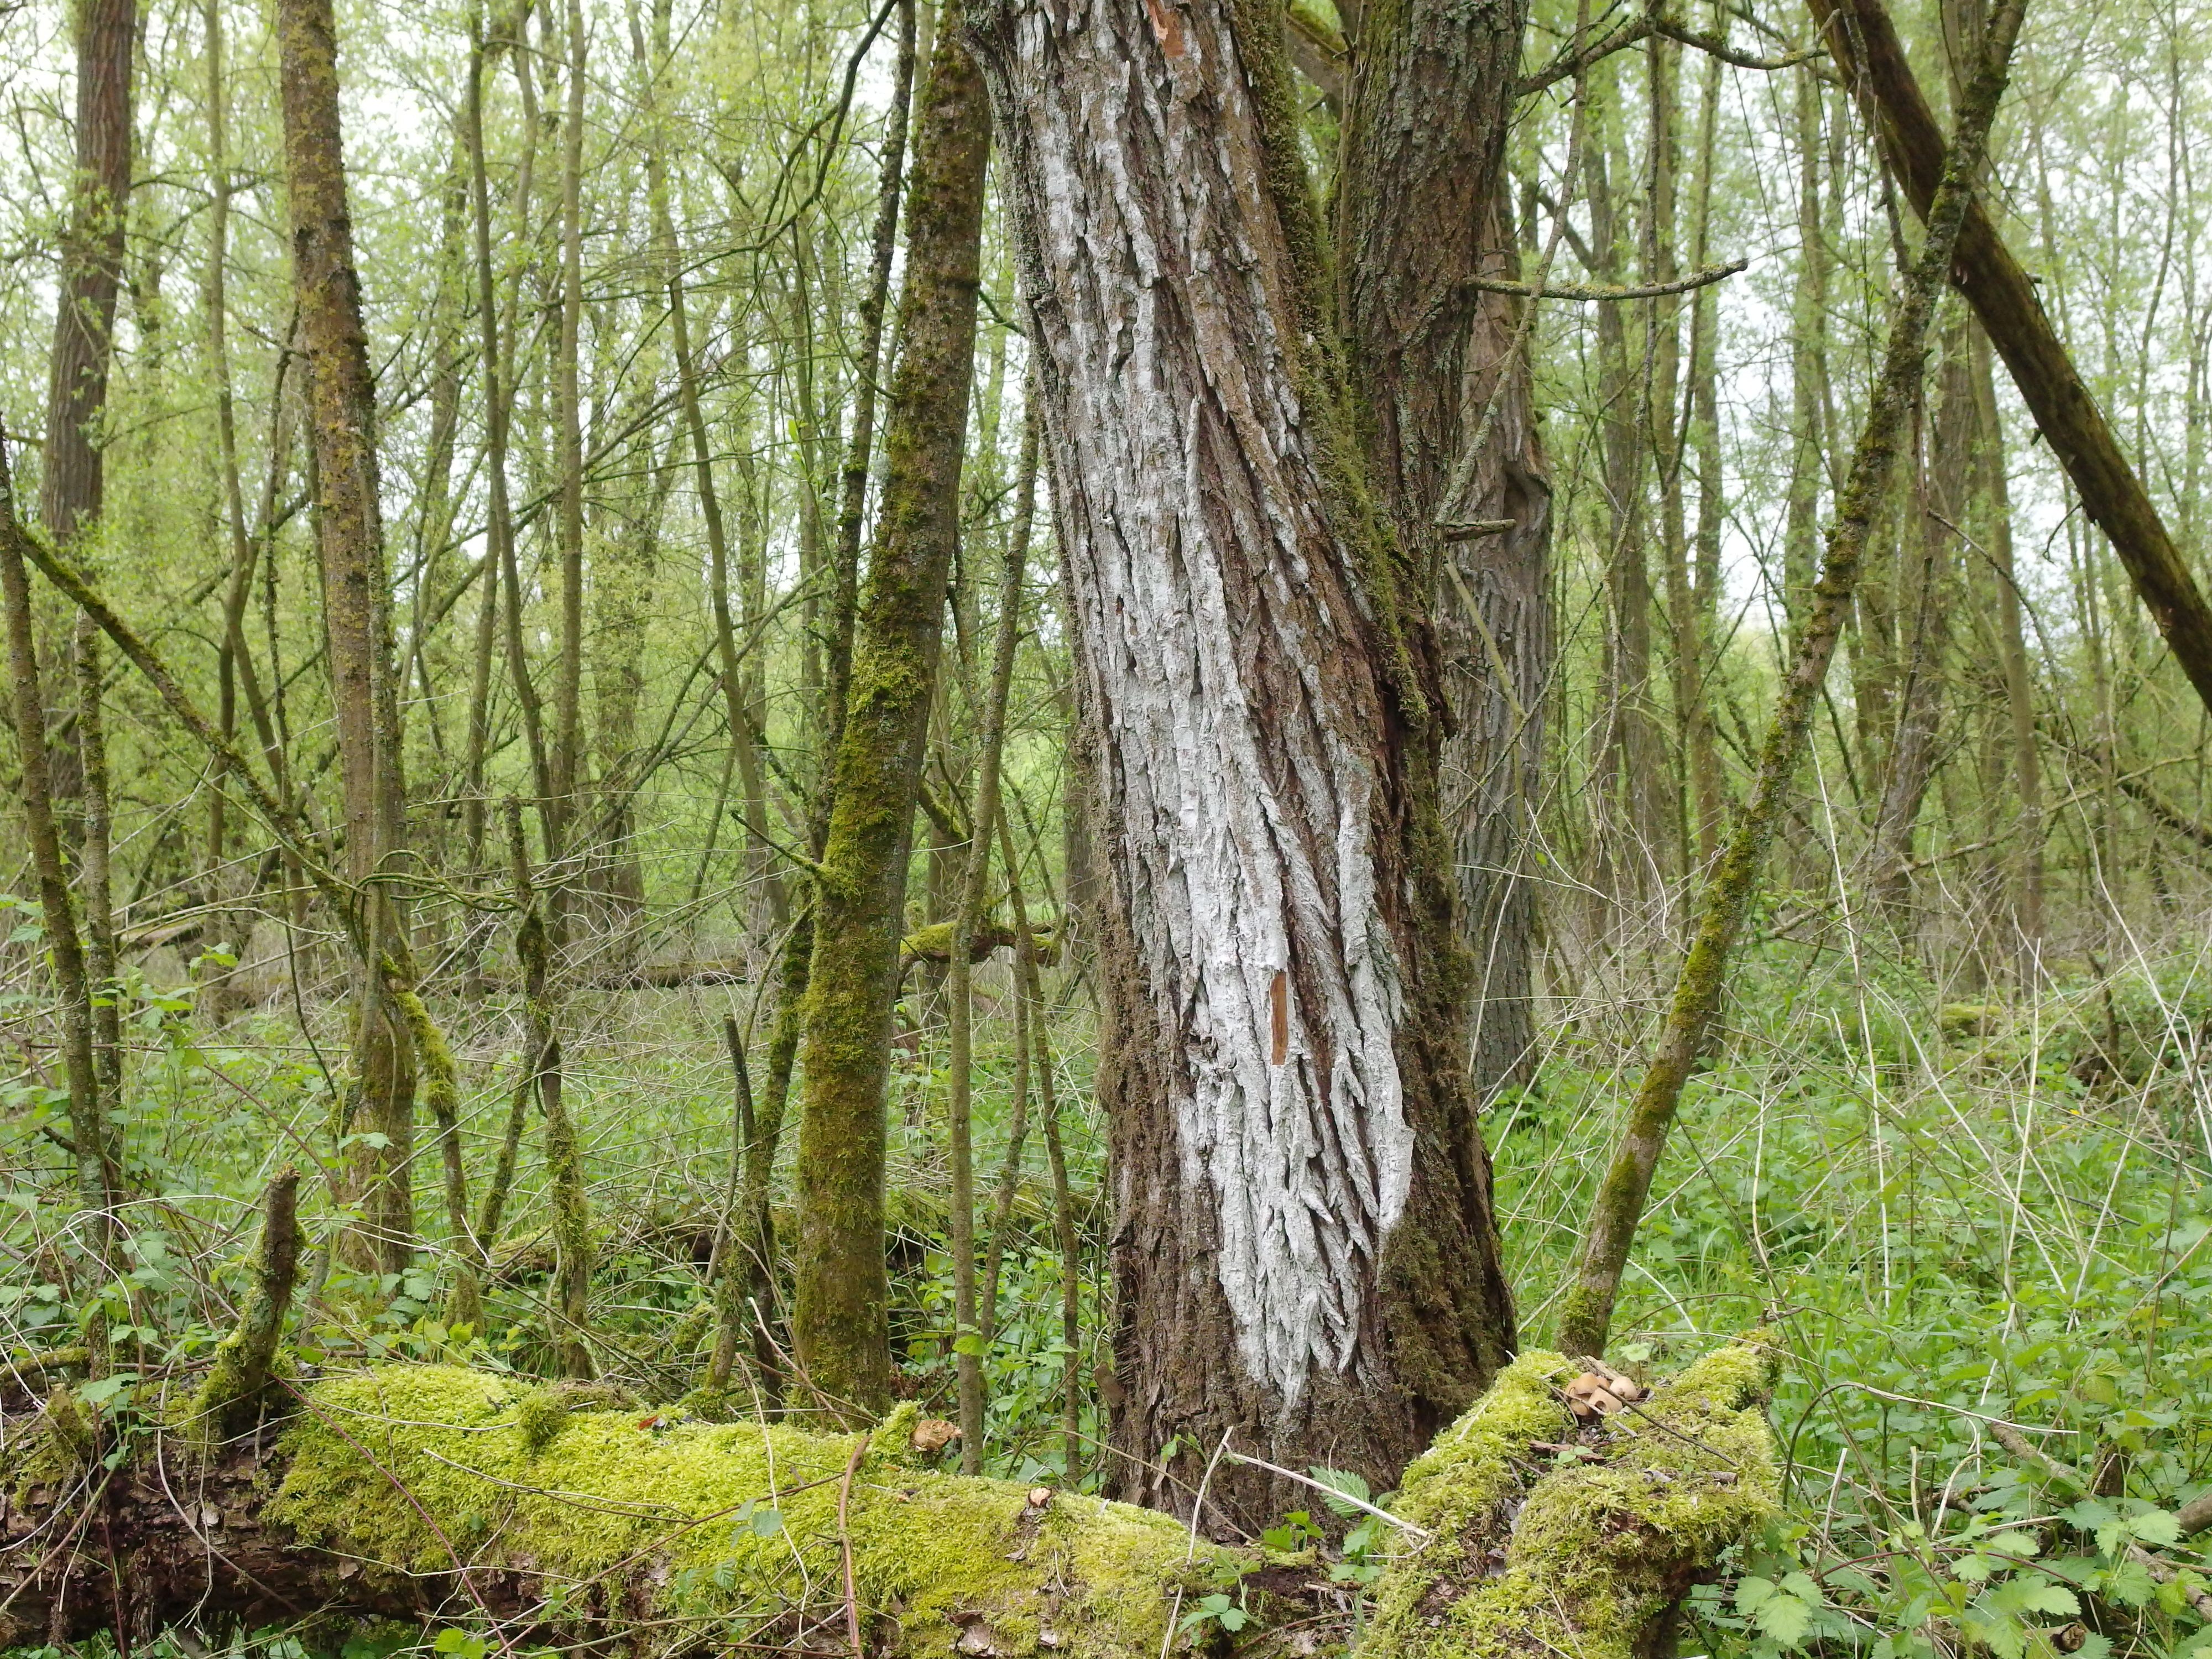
(1946, 1218)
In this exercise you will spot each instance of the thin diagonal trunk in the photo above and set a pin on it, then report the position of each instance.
(1618, 1206)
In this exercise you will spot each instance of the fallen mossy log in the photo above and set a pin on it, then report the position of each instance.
(438, 1494)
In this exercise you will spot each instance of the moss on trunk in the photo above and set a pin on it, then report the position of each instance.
(840, 1323)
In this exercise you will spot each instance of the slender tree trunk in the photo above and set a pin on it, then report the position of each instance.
(1707, 788)
(1666, 426)
(240, 587)
(1808, 365)
(570, 1313)
(969, 1341)
(569, 676)
(90, 1133)
(356, 595)
(1618, 1206)
(882, 245)
(1627, 751)
(95, 866)
(2020, 689)
(1305, 1256)
(840, 1318)
(1035, 1029)
(1939, 501)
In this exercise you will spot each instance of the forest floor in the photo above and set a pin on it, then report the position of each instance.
(1955, 1212)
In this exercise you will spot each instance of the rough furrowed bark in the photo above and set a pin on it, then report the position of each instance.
(1586, 1317)
(440, 1494)
(840, 1323)
(1283, 1004)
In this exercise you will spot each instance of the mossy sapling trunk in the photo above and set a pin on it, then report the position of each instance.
(1618, 1206)
(228, 1399)
(569, 1314)
(1871, 59)
(442, 1093)
(377, 1127)
(840, 1323)
(1305, 1255)
(794, 960)
(970, 1340)
(89, 1131)
(438, 1495)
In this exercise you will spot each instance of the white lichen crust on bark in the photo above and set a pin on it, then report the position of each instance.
(1225, 654)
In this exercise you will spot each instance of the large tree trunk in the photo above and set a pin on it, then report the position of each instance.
(1425, 211)
(841, 1315)
(447, 1496)
(72, 482)
(1305, 1258)
(357, 600)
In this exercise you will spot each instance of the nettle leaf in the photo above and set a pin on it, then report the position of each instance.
(2089, 1516)
(2043, 1598)
(2130, 1583)
(2155, 1526)
(1997, 1630)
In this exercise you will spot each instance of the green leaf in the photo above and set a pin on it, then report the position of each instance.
(970, 1343)
(2089, 1516)
(767, 1522)
(2046, 1598)
(2155, 1526)
(1344, 1481)
(1783, 1618)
